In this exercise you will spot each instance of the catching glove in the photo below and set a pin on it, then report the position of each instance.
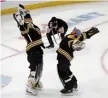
(92, 32)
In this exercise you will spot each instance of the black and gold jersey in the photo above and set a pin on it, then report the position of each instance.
(32, 35)
(66, 49)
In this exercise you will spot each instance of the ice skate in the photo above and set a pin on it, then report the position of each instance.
(75, 87)
(67, 92)
(38, 86)
(30, 87)
(31, 90)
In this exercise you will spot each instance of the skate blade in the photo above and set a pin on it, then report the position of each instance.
(30, 93)
(38, 89)
(75, 89)
(68, 94)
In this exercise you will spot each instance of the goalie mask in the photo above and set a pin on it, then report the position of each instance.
(76, 32)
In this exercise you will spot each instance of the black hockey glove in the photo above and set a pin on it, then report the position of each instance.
(92, 32)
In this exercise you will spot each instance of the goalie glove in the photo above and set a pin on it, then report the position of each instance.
(22, 10)
(92, 32)
(79, 45)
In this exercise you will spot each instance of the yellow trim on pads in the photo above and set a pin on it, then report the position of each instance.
(40, 5)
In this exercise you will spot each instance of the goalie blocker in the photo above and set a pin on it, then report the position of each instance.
(72, 42)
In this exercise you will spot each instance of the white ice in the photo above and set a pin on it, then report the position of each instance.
(90, 65)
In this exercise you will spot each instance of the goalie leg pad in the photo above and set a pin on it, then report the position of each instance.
(39, 69)
(35, 76)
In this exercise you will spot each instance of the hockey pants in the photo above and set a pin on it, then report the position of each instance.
(35, 58)
(66, 76)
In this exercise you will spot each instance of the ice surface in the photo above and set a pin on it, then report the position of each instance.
(90, 65)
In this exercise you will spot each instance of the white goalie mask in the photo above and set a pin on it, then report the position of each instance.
(76, 32)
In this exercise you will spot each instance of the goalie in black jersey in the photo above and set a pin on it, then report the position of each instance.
(72, 42)
(34, 50)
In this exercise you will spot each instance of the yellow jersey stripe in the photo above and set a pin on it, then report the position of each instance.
(32, 44)
(63, 52)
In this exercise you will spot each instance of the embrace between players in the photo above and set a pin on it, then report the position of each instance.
(34, 49)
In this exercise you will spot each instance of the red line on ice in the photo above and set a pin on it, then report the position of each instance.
(102, 61)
